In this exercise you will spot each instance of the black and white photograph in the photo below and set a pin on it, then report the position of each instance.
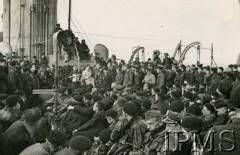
(119, 77)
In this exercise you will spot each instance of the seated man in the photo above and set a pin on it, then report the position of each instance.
(77, 146)
(54, 140)
(131, 142)
(154, 139)
(83, 50)
(16, 141)
(10, 113)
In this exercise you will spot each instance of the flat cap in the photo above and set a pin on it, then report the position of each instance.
(152, 114)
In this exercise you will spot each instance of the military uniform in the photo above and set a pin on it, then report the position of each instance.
(153, 141)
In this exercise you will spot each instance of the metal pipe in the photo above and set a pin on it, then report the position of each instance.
(38, 29)
(211, 55)
(30, 37)
(47, 16)
(44, 28)
(33, 29)
(198, 53)
(20, 30)
(9, 20)
(58, 48)
(143, 55)
(69, 15)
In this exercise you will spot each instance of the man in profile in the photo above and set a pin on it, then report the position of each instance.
(15, 142)
(225, 138)
(84, 50)
(154, 139)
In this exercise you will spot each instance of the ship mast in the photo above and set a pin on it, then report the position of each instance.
(69, 14)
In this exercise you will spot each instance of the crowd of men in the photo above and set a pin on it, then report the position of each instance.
(116, 108)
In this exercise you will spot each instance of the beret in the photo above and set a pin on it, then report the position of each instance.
(130, 108)
(114, 96)
(78, 98)
(176, 106)
(56, 137)
(111, 113)
(161, 95)
(12, 100)
(188, 95)
(104, 135)
(176, 94)
(221, 105)
(88, 96)
(195, 110)
(96, 98)
(80, 143)
(209, 107)
(146, 104)
(101, 91)
(12, 63)
(192, 122)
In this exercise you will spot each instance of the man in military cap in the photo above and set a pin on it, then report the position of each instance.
(167, 61)
(66, 70)
(58, 27)
(156, 59)
(174, 135)
(35, 61)
(119, 77)
(137, 76)
(25, 58)
(154, 139)
(128, 74)
(160, 77)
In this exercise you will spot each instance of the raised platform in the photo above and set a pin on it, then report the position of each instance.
(71, 61)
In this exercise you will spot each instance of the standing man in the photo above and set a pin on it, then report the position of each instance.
(54, 141)
(128, 75)
(167, 61)
(149, 79)
(160, 77)
(66, 71)
(35, 61)
(44, 60)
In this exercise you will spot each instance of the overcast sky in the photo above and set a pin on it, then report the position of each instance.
(162, 23)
